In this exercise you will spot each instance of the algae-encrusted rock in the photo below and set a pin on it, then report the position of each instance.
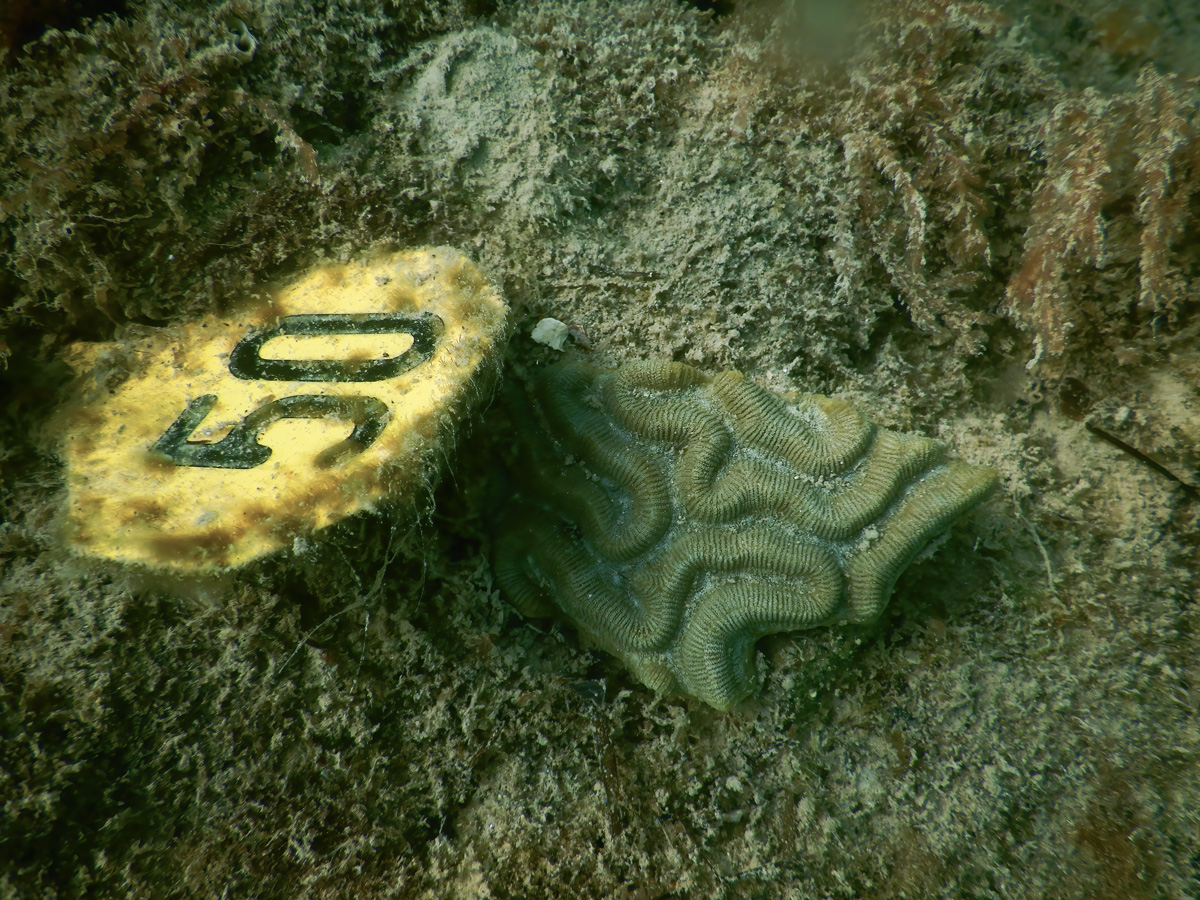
(231, 437)
(677, 517)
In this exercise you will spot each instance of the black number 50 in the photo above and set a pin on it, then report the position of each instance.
(240, 449)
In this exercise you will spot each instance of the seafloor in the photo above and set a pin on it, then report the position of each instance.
(975, 220)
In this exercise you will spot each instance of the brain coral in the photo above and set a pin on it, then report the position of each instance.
(677, 517)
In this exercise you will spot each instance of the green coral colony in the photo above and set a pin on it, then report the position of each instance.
(676, 517)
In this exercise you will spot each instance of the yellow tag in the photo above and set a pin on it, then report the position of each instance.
(234, 435)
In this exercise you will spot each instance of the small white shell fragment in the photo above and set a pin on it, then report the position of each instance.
(550, 332)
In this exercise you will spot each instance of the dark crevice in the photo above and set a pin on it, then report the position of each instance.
(718, 8)
(23, 21)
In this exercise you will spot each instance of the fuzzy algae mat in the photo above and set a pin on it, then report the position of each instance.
(166, 469)
(677, 518)
(902, 213)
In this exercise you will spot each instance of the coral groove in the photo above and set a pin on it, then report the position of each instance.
(677, 518)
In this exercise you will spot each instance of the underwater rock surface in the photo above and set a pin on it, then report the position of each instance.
(677, 518)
